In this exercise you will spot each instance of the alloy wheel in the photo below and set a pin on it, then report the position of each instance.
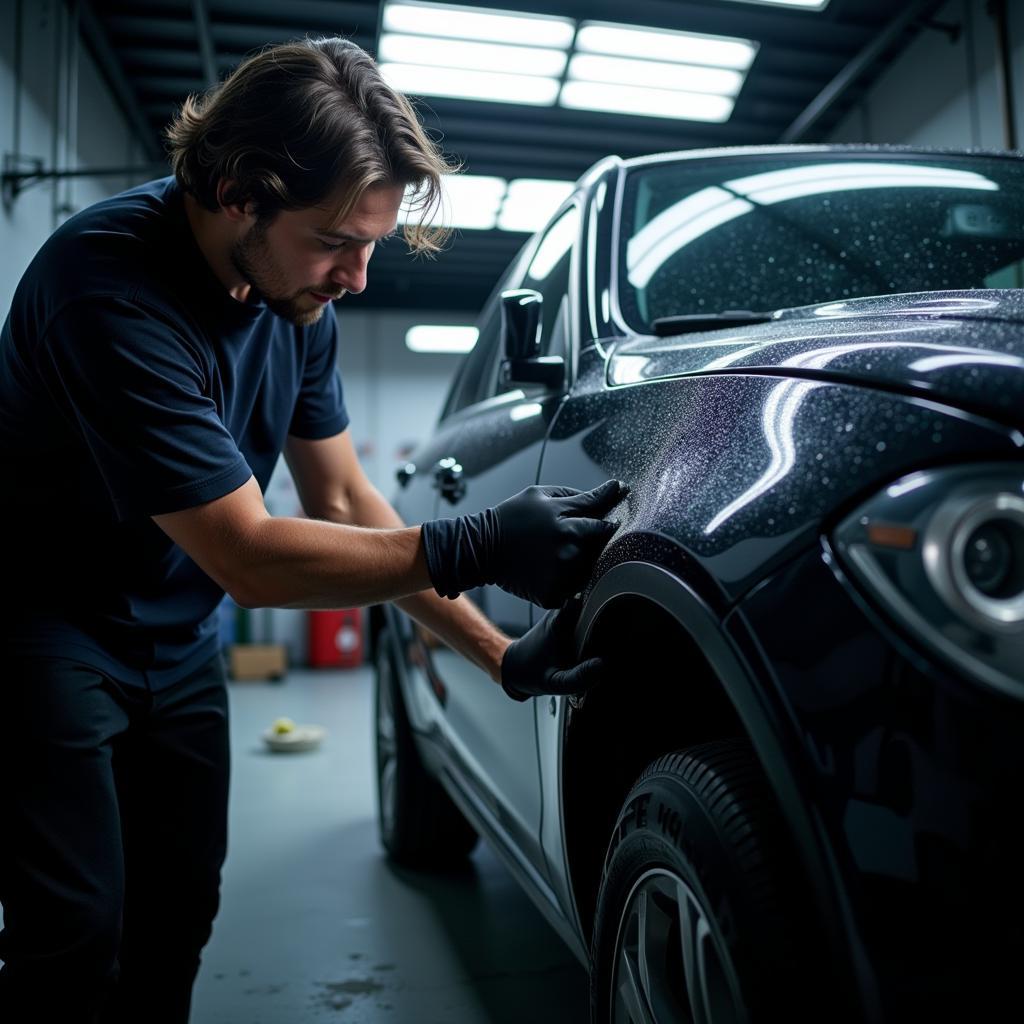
(670, 965)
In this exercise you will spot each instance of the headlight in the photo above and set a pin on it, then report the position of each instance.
(943, 552)
(974, 556)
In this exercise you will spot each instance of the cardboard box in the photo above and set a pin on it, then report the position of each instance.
(258, 661)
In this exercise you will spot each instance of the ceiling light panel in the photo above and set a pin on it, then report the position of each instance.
(469, 201)
(499, 56)
(435, 49)
(472, 23)
(624, 99)
(530, 203)
(423, 80)
(626, 69)
(482, 202)
(473, 200)
(673, 47)
(588, 67)
(457, 53)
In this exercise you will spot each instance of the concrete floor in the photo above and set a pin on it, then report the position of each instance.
(315, 925)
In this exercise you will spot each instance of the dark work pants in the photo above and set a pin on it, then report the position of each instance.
(113, 823)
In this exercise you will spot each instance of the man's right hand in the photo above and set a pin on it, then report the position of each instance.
(540, 544)
(545, 659)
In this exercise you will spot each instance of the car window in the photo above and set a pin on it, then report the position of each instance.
(475, 379)
(549, 263)
(548, 273)
(772, 233)
(478, 374)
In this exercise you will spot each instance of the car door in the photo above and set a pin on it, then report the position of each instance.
(498, 453)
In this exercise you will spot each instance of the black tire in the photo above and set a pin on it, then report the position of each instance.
(419, 825)
(699, 862)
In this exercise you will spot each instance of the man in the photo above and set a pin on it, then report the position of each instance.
(162, 350)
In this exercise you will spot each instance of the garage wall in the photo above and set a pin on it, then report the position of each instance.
(38, 120)
(943, 93)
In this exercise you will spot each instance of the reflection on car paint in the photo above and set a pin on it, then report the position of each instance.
(778, 417)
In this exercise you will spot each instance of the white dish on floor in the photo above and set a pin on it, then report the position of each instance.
(300, 738)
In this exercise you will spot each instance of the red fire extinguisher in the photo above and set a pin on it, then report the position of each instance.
(336, 638)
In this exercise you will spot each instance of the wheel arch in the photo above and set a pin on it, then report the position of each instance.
(658, 607)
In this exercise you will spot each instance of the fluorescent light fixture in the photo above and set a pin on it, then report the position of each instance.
(473, 200)
(626, 99)
(472, 23)
(469, 201)
(530, 202)
(658, 44)
(430, 49)
(440, 338)
(436, 49)
(455, 53)
(482, 202)
(423, 80)
(588, 67)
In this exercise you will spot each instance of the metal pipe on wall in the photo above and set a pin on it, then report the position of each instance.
(1004, 70)
(18, 44)
(64, 144)
(57, 94)
(67, 207)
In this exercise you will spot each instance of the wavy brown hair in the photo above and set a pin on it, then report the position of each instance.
(296, 122)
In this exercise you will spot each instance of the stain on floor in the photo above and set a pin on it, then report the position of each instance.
(339, 995)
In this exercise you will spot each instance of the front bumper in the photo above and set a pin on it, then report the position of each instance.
(916, 776)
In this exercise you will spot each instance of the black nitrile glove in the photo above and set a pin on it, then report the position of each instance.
(544, 660)
(540, 544)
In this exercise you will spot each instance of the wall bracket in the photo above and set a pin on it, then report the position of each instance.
(22, 172)
(950, 28)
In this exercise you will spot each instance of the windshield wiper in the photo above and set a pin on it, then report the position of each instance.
(665, 326)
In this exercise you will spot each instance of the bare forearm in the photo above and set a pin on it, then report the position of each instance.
(459, 623)
(303, 563)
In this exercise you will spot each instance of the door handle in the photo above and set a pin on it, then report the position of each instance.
(448, 479)
(405, 473)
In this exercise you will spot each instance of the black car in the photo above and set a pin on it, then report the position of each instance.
(800, 794)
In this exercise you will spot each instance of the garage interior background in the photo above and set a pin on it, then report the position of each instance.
(86, 85)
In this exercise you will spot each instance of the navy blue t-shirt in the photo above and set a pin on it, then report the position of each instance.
(132, 384)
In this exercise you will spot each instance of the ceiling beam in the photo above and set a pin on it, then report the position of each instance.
(206, 50)
(326, 12)
(848, 76)
(95, 37)
(238, 37)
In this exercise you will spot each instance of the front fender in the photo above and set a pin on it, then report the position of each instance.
(745, 682)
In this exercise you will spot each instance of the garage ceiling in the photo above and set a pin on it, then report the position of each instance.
(158, 51)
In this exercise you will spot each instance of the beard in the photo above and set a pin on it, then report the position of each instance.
(253, 258)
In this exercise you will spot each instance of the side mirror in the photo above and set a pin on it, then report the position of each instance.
(520, 323)
(520, 320)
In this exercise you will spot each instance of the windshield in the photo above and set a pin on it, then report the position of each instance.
(767, 232)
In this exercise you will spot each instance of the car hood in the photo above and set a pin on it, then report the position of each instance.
(959, 348)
